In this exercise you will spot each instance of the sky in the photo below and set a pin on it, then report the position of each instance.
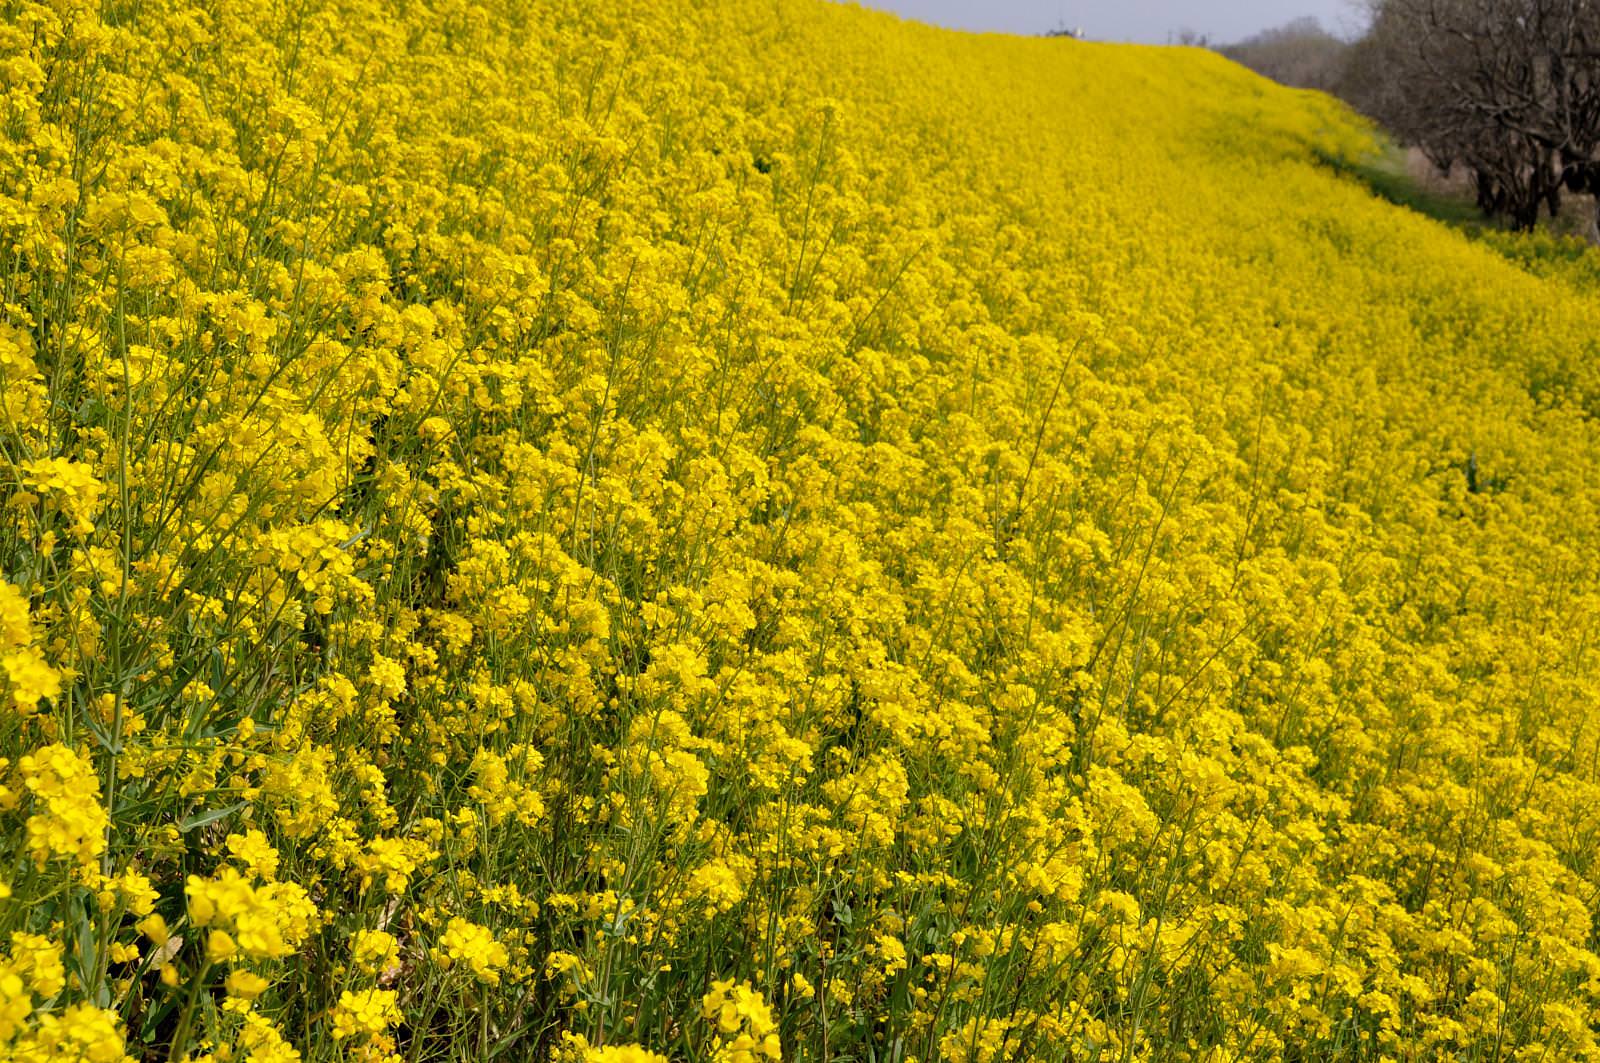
(1151, 21)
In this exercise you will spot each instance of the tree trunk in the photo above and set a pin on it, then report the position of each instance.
(1552, 199)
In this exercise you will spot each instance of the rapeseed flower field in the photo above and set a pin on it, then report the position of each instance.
(750, 530)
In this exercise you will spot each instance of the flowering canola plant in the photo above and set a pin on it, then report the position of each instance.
(748, 531)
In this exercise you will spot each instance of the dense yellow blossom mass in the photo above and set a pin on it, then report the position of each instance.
(751, 530)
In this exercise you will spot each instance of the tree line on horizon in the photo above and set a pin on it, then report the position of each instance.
(1506, 91)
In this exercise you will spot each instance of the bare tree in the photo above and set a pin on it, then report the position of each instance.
(1509, 89)
(1299, 53)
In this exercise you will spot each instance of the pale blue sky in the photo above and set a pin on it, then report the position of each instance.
(1125, 20)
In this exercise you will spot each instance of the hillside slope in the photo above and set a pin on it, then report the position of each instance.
(719, 530)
